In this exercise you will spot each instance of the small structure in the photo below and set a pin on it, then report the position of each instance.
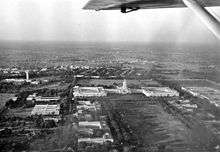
(31, 97)
(124, 86)
(88, 91)
(27, 76)
(120, 90)
(124, 89)
(14, 98)
(46, 110)
(191, 106)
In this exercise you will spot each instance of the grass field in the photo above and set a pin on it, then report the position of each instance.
(143, 123)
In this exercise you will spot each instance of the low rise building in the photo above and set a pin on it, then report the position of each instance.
(34, 97)
(46, 110)
(86, 107)
(88, 91)
(15, 80)
(90, 124)
(85, 102)
(95, 140)
(159, 92)
(120, 90)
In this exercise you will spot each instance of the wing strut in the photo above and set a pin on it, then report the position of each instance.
(209, 20)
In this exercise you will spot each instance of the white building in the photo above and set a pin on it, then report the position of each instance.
(95, 140)
(92, 124)
(15, 80)
(34, 97)
(88, 91)
(86, 107)
(88, 103)
(46, 110)
(120, 90)
(159, 92)
(27, 75)
(124, 89)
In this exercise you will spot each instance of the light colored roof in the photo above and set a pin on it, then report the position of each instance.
(85, 102)
(90, 123)
(94, 140)
(46, 110)
(88, 91)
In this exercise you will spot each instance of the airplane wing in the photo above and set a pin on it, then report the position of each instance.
(142, 4)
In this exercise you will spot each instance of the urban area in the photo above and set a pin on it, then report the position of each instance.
(115, 108)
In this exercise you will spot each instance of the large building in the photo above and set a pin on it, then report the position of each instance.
(40, 99)
(46, 110)
(92, 124)
(88, 91)
(159, 92)
(95, 140)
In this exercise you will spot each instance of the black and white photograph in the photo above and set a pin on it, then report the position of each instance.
(109, 75)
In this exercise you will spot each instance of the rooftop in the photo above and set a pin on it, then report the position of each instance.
(88, 91)
(46, 110)
(90, 124)
(159, 91)
(94, 140)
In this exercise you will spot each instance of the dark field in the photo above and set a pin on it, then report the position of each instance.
(142, 124)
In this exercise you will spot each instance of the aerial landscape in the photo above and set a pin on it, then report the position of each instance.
(108, 97)
(131, 76)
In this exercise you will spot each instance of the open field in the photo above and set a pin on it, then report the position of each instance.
(143, 124)
(196, 83)
(211, 94)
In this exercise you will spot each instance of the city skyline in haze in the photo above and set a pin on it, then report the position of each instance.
(56, 20)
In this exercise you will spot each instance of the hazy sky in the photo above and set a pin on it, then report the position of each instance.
(65, 20)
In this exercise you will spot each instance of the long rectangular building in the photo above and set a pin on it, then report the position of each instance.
(88, 91)
(159, 92)
(46, 110)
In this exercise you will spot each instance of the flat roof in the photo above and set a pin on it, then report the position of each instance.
(46, 110)
(90, 123)
(95, 140)
(88, 91)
